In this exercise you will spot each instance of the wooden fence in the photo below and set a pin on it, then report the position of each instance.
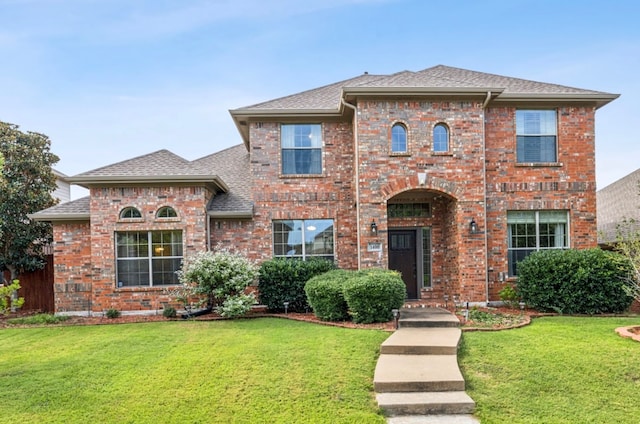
(37, 288)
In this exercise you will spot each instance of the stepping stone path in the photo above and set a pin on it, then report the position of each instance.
(417, 378)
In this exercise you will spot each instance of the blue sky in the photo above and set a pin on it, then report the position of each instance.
(108, 80)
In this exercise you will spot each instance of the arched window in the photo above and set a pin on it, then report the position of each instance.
(166, 212)
(130, 213)
(440, 138)
(398, 138)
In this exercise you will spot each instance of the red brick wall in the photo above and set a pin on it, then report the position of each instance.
(568, 185)
(72, 266)
(85, 258)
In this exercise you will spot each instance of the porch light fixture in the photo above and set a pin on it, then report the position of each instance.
(374, 227)
(473, 227)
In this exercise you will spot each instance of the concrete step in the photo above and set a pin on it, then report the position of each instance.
(427, 317)
(423, 403)
(417, 373)
(422, 341)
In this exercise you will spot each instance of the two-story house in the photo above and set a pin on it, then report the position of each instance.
(447, 175)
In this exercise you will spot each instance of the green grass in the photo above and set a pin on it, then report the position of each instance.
(557, 370)
(245, 371)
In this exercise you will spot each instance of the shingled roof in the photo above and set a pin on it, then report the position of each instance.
(232, 165)
(617, 202)
(436, 81)
(75, 210)
(225, 170)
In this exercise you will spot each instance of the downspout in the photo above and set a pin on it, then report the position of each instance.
(357, 173)
(484, 176)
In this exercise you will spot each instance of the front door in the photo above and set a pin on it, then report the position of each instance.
(403, 258)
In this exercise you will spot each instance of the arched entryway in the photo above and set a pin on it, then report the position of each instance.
(421, 241)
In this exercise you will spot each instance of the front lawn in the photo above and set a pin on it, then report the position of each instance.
(556, 370)
(247, 371)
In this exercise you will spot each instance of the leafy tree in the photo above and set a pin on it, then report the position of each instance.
(26, 184)
(628, 243)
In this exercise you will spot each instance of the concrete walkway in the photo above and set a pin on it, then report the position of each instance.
(417, 379)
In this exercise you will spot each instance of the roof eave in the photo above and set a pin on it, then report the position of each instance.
(600, 99)
(88, 181)
(57, 217)
(231, 214)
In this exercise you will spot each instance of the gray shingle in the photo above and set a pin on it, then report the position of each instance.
(232, 166)
(75, 209)
(616, 202)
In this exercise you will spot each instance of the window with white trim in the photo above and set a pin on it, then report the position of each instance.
(530, 231)
(303, 239)
(301, 149)
(130, 213)
(398, 138)
(148, 258)
(440, 138)
(536, 136)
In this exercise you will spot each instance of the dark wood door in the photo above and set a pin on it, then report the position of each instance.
(403, 258)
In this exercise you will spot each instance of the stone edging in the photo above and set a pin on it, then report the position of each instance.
(624, 332)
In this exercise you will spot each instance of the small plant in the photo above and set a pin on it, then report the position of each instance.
(112, 313)
(169, 312)
(38, 319)
(8, 299)
(509, 296)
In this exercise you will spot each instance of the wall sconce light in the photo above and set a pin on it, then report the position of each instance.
(374, 227)
(473, 227)
(422, 178)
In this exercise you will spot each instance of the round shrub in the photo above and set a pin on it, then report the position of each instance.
(325, 295)
(372, 294)
(574, 281)
(282, 280)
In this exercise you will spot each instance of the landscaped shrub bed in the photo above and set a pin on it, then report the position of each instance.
(574, 281)
(282, 280)
(367, 296)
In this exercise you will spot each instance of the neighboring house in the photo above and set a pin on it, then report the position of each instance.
(617, 202)
(63, 192)
(448, 175)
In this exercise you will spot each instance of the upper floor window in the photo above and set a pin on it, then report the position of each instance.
(130, 213)
(148, 258)
(398, 138)
(530, 231)
(536, 136)
(303, 239)
(301, 149)
(166, 212)
(440, 138)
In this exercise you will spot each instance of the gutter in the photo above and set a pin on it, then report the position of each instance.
(357, 175)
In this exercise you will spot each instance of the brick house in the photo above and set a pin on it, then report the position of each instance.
(448, 175)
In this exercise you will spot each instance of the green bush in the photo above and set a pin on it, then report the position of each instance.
(112, 313)
(574, 281)
(169, 312)
(325, 295)
(38, 319)
(372, 294)
(509, 296)
(222, 276)
(282, 280)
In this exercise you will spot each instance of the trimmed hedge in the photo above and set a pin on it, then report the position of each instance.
(326, 297)
(282, 280)
(574, 281)
(371, 295)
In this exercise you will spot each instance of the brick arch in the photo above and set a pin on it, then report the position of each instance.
(399, 184)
